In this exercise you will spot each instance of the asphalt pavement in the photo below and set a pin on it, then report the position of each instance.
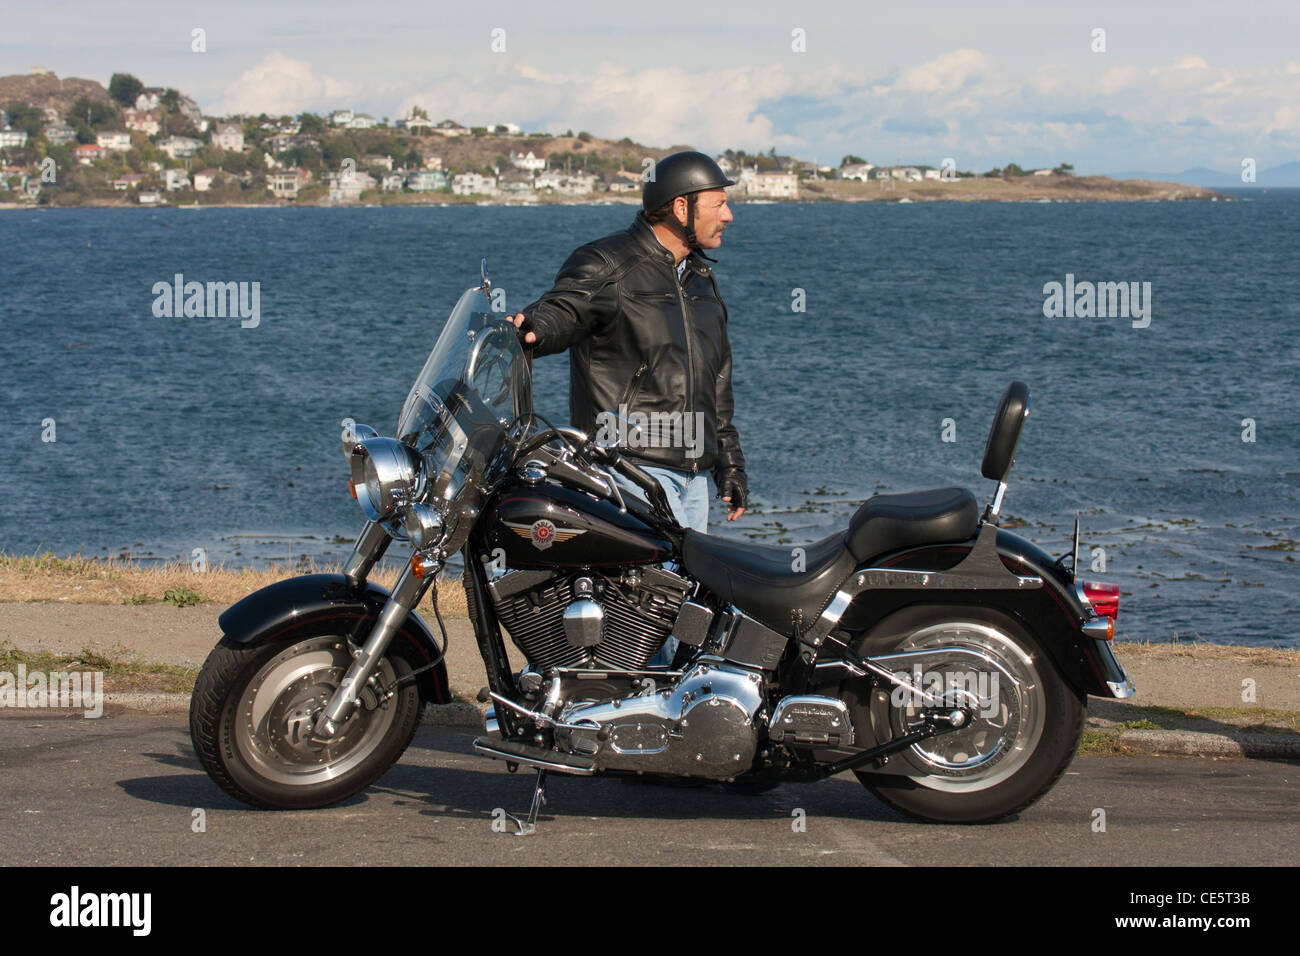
(125, 788)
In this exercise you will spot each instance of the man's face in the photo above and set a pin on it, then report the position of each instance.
(711, 216)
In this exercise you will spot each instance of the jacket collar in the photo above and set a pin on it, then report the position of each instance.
(644, 233)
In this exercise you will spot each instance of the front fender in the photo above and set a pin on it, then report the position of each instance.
(313, 599)
(1052, 611)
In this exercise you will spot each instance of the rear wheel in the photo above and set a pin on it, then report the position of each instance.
(1024, 721)
(254, 707)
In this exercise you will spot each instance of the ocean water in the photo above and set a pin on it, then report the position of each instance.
(172, 434)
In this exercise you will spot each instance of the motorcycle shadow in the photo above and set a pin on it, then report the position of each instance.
(467, 786)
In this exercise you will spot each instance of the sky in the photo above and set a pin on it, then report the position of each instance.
(1165, 86)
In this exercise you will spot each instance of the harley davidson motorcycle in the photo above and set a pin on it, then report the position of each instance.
(942, 659)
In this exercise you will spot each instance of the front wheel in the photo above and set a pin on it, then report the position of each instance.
(1024, 724)
(254, 708)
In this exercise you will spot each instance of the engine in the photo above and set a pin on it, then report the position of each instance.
(586, 619)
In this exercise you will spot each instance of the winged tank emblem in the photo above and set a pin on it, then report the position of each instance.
(542, 533)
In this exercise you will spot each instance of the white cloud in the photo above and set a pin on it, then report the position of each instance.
(281, 84)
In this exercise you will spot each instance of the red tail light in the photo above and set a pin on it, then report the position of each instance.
(1104, 598)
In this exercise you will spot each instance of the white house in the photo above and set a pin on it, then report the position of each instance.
(149, 99)
(13, 137)
(770, 185)
(362, 121)
(451, 128)
(179, 147)
(858, 171)
(87, 154)
(341, 117)
(550, 179)
(205, 180)
(228, 136)
(146, 121)
(175, 179)
(60, 133)
(577, 184)
(473, 184)
(148, 197)
(115, 141)
(349, 187)
(286, 183)
(426, 180)
(392, 182)
(376, 161)
(528, 161)
(1042, 172)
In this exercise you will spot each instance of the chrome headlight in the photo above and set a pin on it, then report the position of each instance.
(353, 433)
(385, 474)
(423, 526)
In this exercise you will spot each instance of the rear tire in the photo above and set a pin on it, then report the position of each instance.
(253, 708)
(1026, 733)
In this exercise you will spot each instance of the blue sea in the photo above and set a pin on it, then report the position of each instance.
(1177, 443)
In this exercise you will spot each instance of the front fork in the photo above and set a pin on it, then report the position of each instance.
(406, 594)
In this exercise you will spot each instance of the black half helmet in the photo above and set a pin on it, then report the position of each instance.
(679, 175)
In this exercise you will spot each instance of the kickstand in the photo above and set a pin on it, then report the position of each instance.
(539, 797)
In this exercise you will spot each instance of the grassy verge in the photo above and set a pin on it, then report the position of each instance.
(81, 580)
(122, 672)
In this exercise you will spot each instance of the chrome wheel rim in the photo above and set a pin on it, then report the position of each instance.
(278, 709)
(1006, 707)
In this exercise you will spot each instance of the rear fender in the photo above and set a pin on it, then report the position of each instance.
(1052, 612)
(321, 599)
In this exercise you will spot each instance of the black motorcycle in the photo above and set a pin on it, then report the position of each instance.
(945, 661)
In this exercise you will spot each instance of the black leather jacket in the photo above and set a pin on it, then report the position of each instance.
(638, 338)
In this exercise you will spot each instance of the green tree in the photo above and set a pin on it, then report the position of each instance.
(1065, 169)
(92, 114)
(124, 88)
(584, 136)
(1012, 169)
(851, 160)
(24, 117)
(309, 124)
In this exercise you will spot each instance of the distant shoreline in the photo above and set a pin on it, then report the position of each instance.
(1048, 189)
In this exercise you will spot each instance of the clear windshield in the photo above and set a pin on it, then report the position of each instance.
(473, 392)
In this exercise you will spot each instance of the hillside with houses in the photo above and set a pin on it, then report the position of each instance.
(73, 142)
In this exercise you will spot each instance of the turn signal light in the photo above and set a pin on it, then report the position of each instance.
(1104, 598)
(418, 565)
(352, 489)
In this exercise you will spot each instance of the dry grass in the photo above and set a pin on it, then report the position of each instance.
(81, 580)
(123, 672)
(1262, 656)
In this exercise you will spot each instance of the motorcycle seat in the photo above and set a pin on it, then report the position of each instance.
(780, 586)
(763, 581)
(887, 523)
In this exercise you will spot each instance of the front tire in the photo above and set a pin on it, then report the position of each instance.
(1027, 727)
(254, 706)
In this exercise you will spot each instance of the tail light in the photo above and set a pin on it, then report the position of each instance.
(1104, 598)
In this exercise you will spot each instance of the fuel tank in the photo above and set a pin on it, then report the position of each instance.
(551, 526)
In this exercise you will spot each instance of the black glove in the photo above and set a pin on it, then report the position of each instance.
(523, 330)
(733, 484)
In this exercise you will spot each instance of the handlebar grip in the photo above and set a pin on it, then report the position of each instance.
(655, 493)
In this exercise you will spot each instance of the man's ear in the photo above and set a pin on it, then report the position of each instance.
(681, 206)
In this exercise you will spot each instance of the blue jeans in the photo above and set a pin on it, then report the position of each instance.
(689, 496)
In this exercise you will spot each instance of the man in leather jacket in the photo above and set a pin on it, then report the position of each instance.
(646, 330)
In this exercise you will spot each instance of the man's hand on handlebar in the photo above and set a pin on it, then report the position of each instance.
(519, 321)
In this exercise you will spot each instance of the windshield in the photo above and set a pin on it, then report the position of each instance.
(473, 392)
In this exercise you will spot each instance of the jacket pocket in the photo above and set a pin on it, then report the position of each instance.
(633, 386)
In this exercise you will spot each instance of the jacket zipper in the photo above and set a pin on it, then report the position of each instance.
(627, 392)
(690, 358)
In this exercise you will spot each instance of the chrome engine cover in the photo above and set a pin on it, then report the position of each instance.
(704, 726)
